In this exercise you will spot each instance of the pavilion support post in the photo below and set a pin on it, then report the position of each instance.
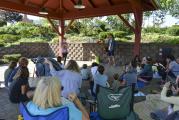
(138, 15)
(138, 28)
(61, 37)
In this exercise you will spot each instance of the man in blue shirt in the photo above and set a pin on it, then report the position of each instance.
(100, 78)
(110, 49)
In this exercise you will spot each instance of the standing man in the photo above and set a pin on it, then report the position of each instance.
(64, 50)
(110, 49)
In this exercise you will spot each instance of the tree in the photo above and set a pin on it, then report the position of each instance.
(158, 17)
(170, 7)
(115, 24)
(11, 17)
(174, 11)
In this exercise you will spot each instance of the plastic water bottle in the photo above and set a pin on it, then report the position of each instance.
(20, 117)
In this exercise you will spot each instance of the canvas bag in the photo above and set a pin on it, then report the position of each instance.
(114, 105)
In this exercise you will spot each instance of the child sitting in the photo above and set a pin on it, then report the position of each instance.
(85, 72)
(114, 82)
(130, 75)
(59, 60)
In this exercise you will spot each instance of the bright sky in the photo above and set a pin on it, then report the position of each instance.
(169, 21)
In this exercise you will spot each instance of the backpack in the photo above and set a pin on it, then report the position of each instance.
(42, 69)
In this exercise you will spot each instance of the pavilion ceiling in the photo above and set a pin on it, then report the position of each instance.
(64, 9)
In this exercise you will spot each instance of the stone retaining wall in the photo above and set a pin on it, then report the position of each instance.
(85, 51)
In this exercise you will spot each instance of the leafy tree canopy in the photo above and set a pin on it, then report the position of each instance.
(11, 17)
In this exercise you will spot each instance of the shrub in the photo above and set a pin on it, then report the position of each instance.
(55, 40)
(154, 30)
(103, 35)
(8, 38)
(174, 30)
(11, 57)
(119, 34)
(2, 23)
(35, 39)
(1, 44)
(160, 38)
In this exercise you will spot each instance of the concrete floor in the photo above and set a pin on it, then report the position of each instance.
(9, 111)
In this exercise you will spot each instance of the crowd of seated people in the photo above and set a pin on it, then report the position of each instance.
(47, 97)
(70, 79)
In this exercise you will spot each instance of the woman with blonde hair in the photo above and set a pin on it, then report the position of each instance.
(70, 78)
(47, 99)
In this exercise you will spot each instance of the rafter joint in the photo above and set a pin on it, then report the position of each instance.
(126, 22)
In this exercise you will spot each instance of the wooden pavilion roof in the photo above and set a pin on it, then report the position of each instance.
(64, 9)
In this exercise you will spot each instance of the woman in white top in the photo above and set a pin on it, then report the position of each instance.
(70, 78)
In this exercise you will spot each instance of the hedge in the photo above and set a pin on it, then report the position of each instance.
(8, 38)
(174, 30)
(119, 34)
(11, 57)
(154, 30)
(103, 35)
(2, 23)
(116, 34)
(1, 44)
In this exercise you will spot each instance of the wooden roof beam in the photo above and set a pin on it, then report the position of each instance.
(44, 2)
(92, 3)
(53, 26)
(73, 1)
(102, 11)
(110, 2)
(59, 7)
(65, 9)
(21, 1)
(71, 22)
(26, 2)
(126, 22)
(11, 6)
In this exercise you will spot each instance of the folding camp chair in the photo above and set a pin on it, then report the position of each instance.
(115, 105)
(61, 114)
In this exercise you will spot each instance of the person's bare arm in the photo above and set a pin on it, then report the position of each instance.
(76, 101)
(52, 70)
(123, 82)
(23, 89)
(173, 99)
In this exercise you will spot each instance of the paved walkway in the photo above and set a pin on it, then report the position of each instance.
(8, 111)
